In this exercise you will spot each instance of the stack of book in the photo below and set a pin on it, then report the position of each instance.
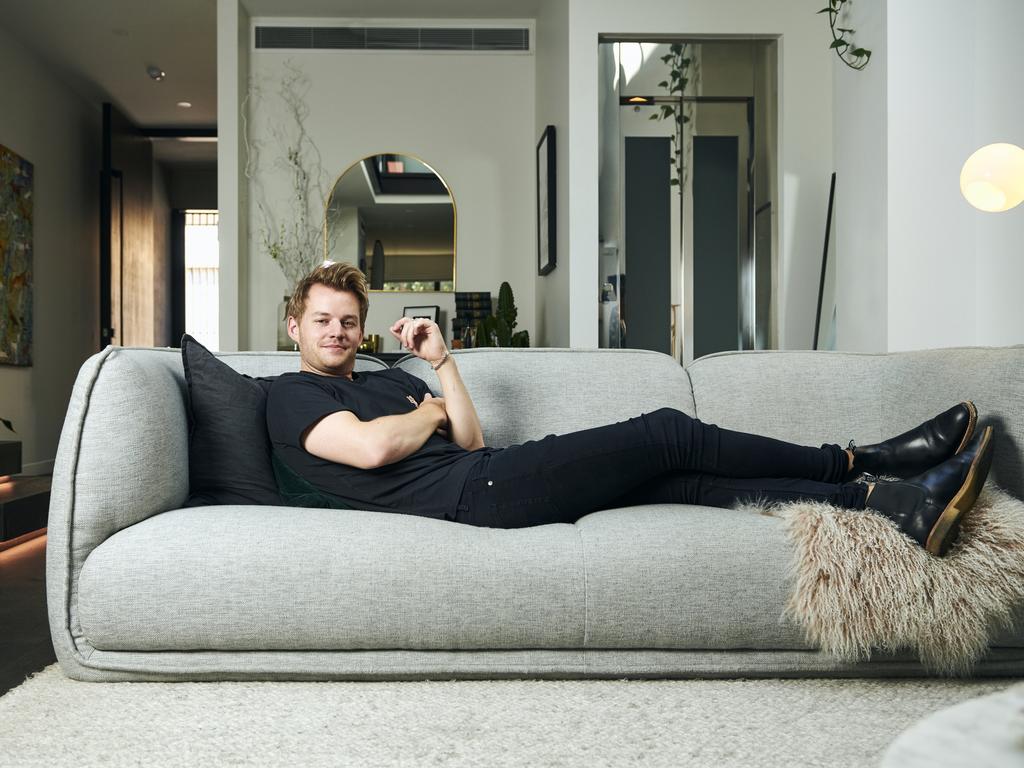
(470, 307)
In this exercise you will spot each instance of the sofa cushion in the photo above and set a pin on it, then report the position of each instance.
(250, 578)
(525, 394)
(258, 578)
(818, 397)
(229, 449)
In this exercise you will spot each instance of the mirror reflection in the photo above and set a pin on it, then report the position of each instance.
(393, 216)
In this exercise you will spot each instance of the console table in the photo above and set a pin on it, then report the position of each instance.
(24, 505)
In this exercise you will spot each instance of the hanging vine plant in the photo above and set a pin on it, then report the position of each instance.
(678, 64)
(851, 55)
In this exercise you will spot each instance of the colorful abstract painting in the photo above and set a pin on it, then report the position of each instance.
(15, 259)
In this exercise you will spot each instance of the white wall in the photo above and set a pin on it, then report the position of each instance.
(233, 41)
(46, 123)
(469, 115)
(805, 138)
(860, 217)
(951, 267)
(997, 114)
(552, 108)
(929, 137)
(919, 267)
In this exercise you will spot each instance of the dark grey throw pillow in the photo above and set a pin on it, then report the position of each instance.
(228, 445)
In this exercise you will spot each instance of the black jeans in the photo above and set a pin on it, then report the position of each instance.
(663, 456)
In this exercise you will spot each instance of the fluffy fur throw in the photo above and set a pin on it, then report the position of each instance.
(859, 583)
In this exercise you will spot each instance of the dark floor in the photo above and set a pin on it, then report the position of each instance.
(25, 645)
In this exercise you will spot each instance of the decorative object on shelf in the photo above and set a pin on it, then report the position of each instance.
(371, 344)
(496, 330)
(429, 311)
(289, 221)
(678, 60)
(546, 196)
(851, 55)
(992, 179)
(470, 306)
(15, 258)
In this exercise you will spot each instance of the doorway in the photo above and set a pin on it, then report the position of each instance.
(197, 268)
(687, 177)
(151, 180)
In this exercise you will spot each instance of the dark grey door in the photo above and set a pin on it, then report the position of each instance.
(646, 302)
(716, 323)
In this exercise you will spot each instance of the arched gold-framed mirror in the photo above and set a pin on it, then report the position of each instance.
(393, 215)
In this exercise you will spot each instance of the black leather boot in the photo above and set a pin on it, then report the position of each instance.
(921, 448)
(929, 507)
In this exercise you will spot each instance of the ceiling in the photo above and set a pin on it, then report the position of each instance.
(101, 49)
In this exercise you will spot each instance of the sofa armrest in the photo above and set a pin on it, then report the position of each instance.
(122, 457)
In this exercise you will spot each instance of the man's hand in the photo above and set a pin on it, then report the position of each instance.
(420, 336)
(430, 401)
(423, 338)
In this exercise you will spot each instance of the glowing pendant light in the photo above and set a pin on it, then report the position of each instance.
(992, 179)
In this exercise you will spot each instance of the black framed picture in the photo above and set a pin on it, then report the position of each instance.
(546, 201)
(429, 311)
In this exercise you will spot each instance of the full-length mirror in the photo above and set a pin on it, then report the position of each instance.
(394, 216)
(688, 175)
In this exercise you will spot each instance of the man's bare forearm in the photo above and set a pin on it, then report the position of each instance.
(396, 437)
(463, 424)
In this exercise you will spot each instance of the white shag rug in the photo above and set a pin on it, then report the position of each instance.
(53, 721)
(860, 584)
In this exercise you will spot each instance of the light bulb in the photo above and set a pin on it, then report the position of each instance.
(992, 179)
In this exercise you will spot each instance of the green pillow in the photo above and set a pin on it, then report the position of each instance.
(298, 492)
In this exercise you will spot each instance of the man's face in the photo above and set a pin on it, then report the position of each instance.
(329, 333)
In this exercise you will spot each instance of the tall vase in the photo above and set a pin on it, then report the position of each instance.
(284, 342)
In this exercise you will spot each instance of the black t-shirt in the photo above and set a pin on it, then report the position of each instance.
(428, 482)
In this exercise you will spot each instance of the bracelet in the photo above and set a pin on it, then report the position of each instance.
(442, 361)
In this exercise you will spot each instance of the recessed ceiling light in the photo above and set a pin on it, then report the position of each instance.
(185, 104)
(155, 72)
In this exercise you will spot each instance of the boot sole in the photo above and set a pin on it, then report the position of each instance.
(947, 526)
(972, 422)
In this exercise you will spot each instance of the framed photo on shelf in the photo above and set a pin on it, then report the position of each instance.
(546, 201)
(429, 311)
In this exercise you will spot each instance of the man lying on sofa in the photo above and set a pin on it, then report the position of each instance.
(381, 441)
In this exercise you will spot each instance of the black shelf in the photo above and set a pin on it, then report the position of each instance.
(24, 505)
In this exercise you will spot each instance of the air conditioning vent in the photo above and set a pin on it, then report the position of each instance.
(284, 37)
(447, 39)
(501, 39)
(336, 37)
(394, 38)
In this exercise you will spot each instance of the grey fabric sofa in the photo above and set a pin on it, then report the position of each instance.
(140, 588)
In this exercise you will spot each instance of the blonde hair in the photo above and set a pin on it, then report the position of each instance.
(340, 277)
